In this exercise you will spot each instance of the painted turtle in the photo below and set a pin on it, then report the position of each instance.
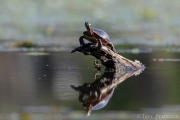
(94, 35)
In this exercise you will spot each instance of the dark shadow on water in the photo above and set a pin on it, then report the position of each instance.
(96, 95)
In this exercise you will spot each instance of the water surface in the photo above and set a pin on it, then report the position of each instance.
(40, 83)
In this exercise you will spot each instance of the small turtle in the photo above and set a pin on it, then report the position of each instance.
(94, 34)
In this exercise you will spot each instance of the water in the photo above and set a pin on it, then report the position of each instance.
(38, 85)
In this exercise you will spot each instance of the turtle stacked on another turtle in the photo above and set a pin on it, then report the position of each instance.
(94, 35)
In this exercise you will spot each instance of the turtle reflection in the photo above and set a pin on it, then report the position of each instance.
(97, 94)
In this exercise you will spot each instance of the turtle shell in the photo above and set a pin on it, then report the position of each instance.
(97, 34)
(101, 34)
(104, 102)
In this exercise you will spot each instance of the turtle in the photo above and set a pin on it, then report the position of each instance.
(94, 35)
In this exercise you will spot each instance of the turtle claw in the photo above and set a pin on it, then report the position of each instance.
(74, 50)
(112, 48)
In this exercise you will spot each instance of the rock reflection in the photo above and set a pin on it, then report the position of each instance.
(97, 94)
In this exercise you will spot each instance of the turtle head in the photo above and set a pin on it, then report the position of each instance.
(88, 26)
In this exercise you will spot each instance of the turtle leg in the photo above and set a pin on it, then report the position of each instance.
(112, 47)
(99, 95)
(81, 41)
(99, 44)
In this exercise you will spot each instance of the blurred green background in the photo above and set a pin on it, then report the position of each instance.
(61, 22)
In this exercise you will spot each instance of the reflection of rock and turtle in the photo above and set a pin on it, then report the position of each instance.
(97, 94)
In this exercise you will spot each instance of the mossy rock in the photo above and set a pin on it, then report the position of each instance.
(25, 44)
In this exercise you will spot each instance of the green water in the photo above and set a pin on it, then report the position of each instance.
(40, 84)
